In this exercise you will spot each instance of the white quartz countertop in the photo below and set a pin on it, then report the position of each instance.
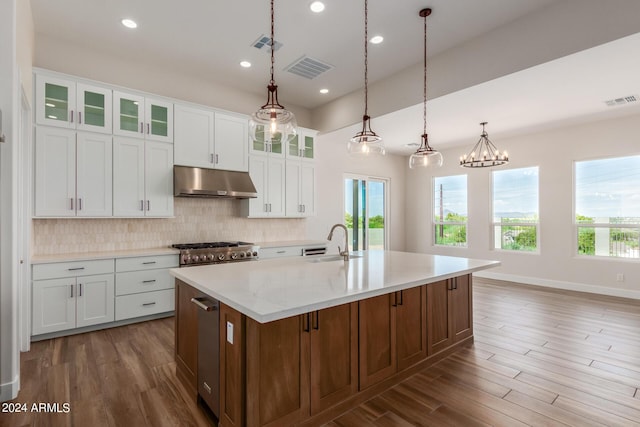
(82, 256)
(278, 288)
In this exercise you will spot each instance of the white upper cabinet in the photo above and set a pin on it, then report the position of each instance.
(231, 137)
(209, 139)
(73, 173)
(268, 176)
(137, 116)
(302, 146)
(300, 189)
(65, 103)
(142, 178)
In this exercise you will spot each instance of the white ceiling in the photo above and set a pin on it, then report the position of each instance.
(209, 38)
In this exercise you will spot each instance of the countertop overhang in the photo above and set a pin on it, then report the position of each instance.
(275, 289)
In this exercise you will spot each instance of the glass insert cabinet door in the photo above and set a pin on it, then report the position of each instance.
(265, 143)
(301, 146)
(63, 103)
(140, 117)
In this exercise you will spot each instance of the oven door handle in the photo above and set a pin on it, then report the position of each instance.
(205, 304)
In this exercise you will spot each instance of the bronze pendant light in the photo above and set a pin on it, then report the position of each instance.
(425, 156)
(272, 121)
(366, 142)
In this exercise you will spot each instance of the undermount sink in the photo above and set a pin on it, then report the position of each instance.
(329, 258)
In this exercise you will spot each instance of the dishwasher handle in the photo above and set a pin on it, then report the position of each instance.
(205, 304)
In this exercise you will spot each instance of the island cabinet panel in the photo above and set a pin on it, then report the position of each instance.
(334, 355)
(277, 372)
(377, 325)
(411, 322)
(186, 345)
(232, 368)
(449, 312)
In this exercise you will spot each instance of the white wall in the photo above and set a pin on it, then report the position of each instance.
(554, 152)
(332, 164)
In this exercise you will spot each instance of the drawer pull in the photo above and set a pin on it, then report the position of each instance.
(147, 304)
(281, 252)
(148, 262)
(206, 387)
(75, 269)
(203, 305)
(149, 281)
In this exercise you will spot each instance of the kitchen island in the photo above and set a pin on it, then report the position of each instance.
(304, 339)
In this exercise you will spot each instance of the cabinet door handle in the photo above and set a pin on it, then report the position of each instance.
(148, 129)
(79, 289)
(211, 158)
(79, 203)
(401, 298)
(141, 127)
(71, 287)
(305, 322)
(71, 199)
(148, 205)
(304, 208)
(395, 300)
(206, 307)
(148, 304)
(71, 116)
(317, 324)
(217, 161)
(80, 117)
(149, 281)
(142, 205)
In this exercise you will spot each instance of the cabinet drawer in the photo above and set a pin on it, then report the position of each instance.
(72, 269)
(136, 305)
(134, 282)
(146, 262)
(267, 253)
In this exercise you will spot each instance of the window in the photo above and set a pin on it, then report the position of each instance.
(515, 209)
(450, 210)
(607, 207)
(365, 212)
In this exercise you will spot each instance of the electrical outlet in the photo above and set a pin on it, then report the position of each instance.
(230, 332)
(620, 277)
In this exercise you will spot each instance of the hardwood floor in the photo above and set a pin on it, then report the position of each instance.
(540, 357)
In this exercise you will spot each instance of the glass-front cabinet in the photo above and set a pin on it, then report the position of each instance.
(140, 117)
(65, 103)
(265, 143)
(302, 146)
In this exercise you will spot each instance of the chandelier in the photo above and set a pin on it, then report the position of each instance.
(484, 154)
(425, 156)
(272, 117)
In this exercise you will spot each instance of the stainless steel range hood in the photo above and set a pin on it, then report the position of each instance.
(200, 182)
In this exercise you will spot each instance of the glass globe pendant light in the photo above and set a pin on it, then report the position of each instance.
(425, 156)
(272, 121)
(366, 142)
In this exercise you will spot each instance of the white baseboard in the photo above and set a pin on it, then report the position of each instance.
(557, 284)
(9, 391)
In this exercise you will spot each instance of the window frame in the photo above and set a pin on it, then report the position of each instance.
(494, 224)
(435, 224)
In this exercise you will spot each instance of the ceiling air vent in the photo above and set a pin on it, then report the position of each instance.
(264, 43)
(308, 68)
(622, 101)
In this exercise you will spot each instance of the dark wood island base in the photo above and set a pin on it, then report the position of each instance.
(308, 369)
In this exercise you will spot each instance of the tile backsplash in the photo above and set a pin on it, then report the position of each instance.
(196, 220)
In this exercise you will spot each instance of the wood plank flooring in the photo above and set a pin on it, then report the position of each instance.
(540, 357)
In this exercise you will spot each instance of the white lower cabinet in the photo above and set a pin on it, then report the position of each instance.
(67, 295)
(144, 286)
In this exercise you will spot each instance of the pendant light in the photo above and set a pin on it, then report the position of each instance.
(484, 154)
(425, 156)
(273, 119)
(366, 142)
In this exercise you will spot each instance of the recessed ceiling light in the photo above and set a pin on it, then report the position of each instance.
(323, 91)
(129, 23)
(376, 39)
(245, 64)
(316, 6)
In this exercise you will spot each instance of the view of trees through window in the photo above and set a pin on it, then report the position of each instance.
(607, 207)
(450, 210)
(515, 209)
(365, 207)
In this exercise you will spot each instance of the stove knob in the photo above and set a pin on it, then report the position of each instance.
(255, 253)
(195, 258)
(234, 255)
(248, 254)
(242, 254)
(185, 259)
(221, 257)
(211, 257)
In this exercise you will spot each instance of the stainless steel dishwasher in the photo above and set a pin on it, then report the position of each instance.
(209, 353)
